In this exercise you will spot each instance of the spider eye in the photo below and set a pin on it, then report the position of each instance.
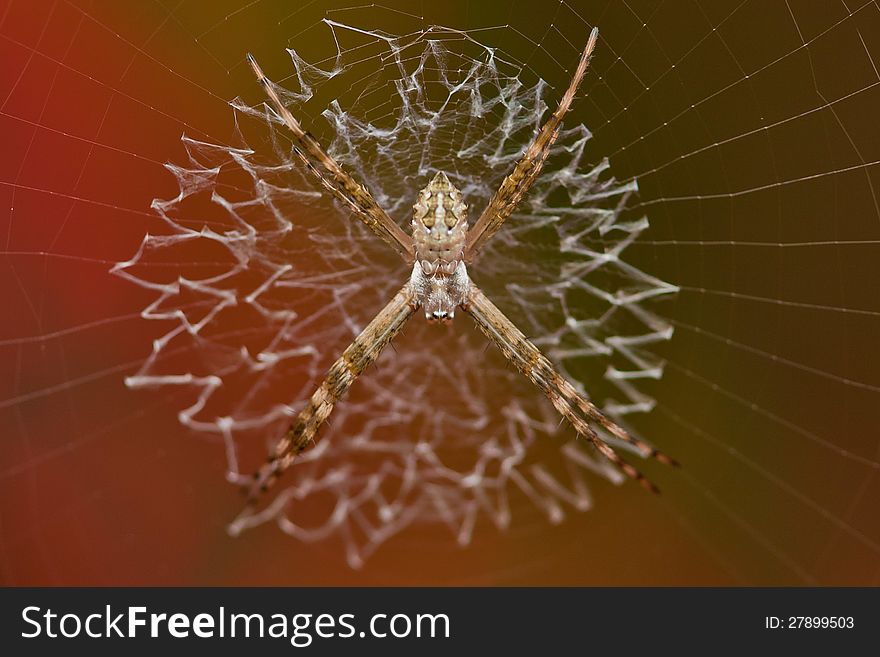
(439, 316)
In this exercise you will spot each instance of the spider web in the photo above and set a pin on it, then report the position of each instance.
(425, 440)
(742, 132)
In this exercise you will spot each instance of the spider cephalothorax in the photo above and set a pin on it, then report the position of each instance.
(440, 244)
(439, 277)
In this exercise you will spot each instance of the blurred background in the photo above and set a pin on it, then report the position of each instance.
(751, 130)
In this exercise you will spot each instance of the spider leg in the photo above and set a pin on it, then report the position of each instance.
(335, 179)
(537, 368)
(515, 186)
(359, 355)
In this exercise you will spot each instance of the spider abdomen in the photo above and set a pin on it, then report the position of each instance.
(439, 226)
(439, 279)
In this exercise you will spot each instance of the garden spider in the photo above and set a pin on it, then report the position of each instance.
(439, 250)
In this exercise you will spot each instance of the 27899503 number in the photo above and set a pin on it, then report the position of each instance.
(809, 622)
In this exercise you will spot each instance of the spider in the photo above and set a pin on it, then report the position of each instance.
(440, 248)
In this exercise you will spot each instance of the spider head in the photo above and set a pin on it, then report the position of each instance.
(440, 210)
(441, 294)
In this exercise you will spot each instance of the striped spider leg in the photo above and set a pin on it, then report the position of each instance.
(507, 337)
(334, 178)
(359, 355)
(536, 367)
(440, 246)
(515, 186)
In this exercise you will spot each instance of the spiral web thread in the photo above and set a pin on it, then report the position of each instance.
(275, 280)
